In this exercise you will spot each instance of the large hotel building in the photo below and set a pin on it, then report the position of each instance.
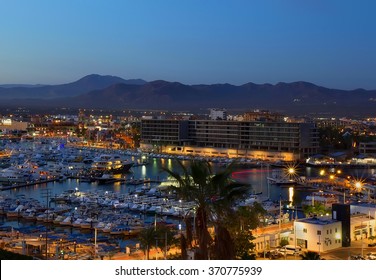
(249, 139)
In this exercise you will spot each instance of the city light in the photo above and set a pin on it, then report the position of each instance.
(358, 184)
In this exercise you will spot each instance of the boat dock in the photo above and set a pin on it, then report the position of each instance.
(27, 184)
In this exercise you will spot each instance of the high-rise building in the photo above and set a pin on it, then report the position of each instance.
(258, 140)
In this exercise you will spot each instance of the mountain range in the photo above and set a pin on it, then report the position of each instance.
(110, 92)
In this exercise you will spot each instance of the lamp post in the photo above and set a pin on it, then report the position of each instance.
(61, 249)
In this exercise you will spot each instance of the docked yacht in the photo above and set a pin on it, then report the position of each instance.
(12, 175)
(325, 198)
(114, 164)
(279, 177)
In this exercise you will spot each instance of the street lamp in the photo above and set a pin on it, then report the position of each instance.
(291, 172)
(358, 185)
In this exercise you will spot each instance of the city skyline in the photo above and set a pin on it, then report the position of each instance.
(328, 44)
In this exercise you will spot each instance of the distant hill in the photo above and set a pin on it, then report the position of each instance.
(83, 85)
(20, 85)
(288, 98)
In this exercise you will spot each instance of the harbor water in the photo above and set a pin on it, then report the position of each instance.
(153, 170)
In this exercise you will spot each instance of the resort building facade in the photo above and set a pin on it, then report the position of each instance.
(222, 138)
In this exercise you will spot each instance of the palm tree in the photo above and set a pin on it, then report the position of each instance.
(166, 238)
(316, 209)
(147, 239)
(241, 223)
(214, 194)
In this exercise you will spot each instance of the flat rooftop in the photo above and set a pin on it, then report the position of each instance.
(318, 220)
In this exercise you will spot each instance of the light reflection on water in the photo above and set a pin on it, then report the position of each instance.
(256, 177)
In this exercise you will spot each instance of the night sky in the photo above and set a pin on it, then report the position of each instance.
(330, 43)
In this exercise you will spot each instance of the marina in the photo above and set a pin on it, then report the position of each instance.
(64, 195)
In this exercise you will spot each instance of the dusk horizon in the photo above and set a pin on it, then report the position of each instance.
(220, 131)
(40, 84)
(327, 44)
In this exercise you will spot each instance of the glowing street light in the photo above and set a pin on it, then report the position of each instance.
(358, 184)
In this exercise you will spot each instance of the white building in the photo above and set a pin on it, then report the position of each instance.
(318, 234)
(9, 125)
(218, 114)
(363, 223)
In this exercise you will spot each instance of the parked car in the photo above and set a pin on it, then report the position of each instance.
(291, 250)
(371, 256)
(274, 254)
(356, 257)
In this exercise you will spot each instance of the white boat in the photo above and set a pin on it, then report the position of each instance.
(12, 175)
(30, 214)
(58, 219)
(133, 206)
(325, 198)
(49, 217)
(114, 164)
(43, 216)
(108, 227)
(281, 177)
(17, 212)
(106, 178)
(67, 221)
(100, 225)
(270, 206)
(88, 223)
(151, 209)
(77, 222)
(251, 199)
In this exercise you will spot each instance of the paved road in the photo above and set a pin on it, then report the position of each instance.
(345, 252)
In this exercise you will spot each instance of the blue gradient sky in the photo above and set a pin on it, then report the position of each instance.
(327, 42)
